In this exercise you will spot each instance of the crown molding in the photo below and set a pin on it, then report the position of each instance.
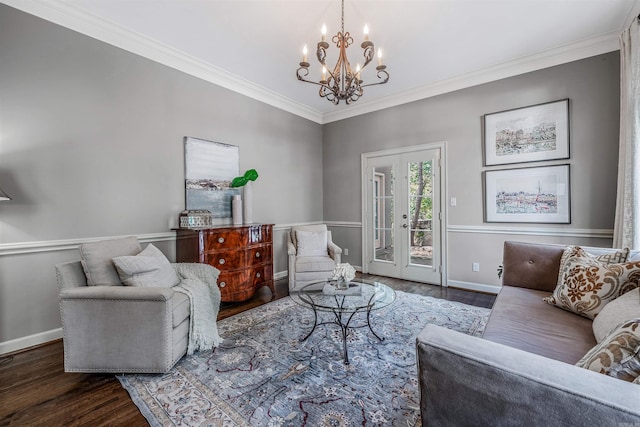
(571, 52)
(70, 16)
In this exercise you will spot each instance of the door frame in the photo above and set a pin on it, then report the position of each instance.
(442, 146)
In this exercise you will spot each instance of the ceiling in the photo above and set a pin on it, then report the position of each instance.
(430, 46)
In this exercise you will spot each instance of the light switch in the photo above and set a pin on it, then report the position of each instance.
(453, 201)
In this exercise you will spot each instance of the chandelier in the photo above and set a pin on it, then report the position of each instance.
(342, 83)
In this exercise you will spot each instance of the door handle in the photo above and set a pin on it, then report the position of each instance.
(404, 225)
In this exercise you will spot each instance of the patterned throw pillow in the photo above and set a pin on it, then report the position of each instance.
(617, 257)
(586, 285)
(618, 355)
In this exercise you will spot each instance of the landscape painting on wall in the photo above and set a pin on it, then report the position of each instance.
(529, 134)
(209, 169)
(539, 194)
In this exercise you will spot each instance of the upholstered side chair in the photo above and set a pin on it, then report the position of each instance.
(312, 255)
(110, 327)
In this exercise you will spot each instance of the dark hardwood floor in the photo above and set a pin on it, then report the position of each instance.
(35, 390)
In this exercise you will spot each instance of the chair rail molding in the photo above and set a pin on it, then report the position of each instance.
(18, 248)
(533, 231)
(348, 224)
(70, 244)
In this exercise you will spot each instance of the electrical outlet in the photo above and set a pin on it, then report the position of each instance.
(346, 252)
(476, 266)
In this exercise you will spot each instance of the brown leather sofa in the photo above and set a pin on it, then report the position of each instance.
(521, 372)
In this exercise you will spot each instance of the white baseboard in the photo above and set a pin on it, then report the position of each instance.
(30, 341)
(480, 287)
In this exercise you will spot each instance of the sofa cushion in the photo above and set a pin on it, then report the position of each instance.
(618, 354)
(531, 265)
(520, 319)
(96, 259)
(315, 263)
(616, 312)
(150, 268)
(586, 284)
(311, 243)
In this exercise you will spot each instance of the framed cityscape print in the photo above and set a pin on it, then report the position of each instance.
(529, 134)
(528, 195)
(209, 169)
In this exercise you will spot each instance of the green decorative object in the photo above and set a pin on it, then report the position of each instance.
(241, 181)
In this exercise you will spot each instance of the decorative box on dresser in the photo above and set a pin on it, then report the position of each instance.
(243, 254)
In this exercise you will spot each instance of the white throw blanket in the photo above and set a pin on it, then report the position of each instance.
(199, 283)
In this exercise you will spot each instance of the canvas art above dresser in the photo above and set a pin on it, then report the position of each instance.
(243, 254)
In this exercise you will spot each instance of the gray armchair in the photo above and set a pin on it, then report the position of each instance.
(108, 327)
(312, 255)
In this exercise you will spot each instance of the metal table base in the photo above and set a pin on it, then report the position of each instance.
(339, 315)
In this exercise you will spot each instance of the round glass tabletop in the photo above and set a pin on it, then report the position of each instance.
(361, 295)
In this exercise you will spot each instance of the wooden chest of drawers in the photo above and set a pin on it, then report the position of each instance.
(243, 254)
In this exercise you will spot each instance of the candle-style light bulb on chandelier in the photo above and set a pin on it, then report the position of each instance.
(342, 83)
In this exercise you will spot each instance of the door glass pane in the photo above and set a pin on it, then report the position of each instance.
(383, 213)
(421, 213)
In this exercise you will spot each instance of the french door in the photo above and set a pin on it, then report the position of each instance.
(402, 226)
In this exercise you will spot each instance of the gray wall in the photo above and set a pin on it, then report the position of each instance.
(593, 88)
(91, 145)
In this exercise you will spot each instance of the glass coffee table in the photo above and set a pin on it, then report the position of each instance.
(361, 297)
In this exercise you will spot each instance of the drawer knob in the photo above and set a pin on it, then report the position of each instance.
(223, 284)
(257, 254)
(222, 261)
(258, 275)
(220, 239)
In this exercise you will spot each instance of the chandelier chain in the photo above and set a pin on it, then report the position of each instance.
(342, 16)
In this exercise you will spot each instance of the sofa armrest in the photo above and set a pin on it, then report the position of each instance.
(118, 329)
(192, 270)
(291, 248)
(131, 293)
(70, 275)
(335, 251)
(466, 380)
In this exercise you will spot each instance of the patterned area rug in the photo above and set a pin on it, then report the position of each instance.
(262, 375)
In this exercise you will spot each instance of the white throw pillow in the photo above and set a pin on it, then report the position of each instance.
(311, 243)
(619, 310)
(150, 268)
